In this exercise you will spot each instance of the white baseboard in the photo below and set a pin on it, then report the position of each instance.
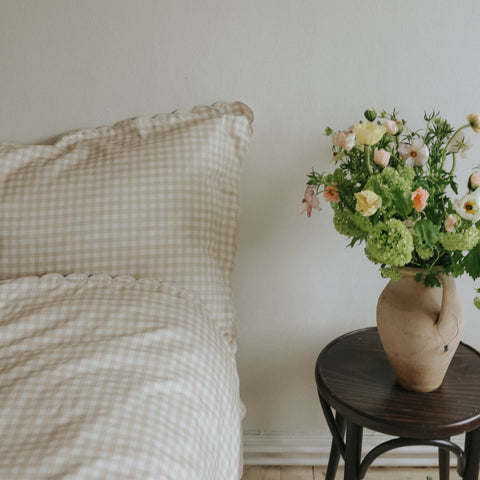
(314, 449)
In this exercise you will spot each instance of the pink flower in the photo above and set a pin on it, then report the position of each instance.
(331, 193)
(419, 197)
(391, 126)
(346, 140)
(474, 181)
(415, 154)
(309, 202)
(381, 157)
(450, 223)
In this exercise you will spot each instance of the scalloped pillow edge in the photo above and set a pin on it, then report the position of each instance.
(53, 281)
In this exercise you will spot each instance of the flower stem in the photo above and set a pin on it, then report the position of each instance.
(454, 161)
(367, 160)
(448, 144)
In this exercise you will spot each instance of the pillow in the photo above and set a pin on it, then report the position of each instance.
(147, 197)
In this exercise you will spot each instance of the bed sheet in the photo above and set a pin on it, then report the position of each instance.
(105, 378)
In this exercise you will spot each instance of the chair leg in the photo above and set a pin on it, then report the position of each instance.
(334, 451)
(353, 451)
(444, 463)
(472, 454)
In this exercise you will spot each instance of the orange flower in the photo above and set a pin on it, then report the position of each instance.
(419, 197)
(331, 193)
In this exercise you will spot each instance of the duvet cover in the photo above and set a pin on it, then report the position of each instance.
(114, 378)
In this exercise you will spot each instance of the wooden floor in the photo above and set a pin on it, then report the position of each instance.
(318, 473)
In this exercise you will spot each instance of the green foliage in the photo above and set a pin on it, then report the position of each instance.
(392, 189)
(472, 262)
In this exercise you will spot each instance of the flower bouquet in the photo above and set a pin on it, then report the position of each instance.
(390, 191)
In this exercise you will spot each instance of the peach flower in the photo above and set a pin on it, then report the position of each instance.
(419, 197)
(309, 202)
(331, 193)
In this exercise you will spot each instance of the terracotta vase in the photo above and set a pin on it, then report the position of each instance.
(420, 329)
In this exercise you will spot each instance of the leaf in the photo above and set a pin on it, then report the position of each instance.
(402, 202)
(453, 185)
(431, 280)
(426, 232)
(472, 262)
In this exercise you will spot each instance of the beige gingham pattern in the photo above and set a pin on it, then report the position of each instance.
(105, 378)
(147, 197)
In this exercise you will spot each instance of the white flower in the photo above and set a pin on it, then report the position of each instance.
(346, 140)
(415, 154)
(460, 144)
(391, 126)
(468, 207)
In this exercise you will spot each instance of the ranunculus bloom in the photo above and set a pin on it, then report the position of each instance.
(368, 202)
(474, 121)
(381, 157)
(391, 126)
(368, 133)
(419, 197)
(450, 223)
(346, 140)
(474, 181)
(309, 202)
(468, 207)
(331, 193)
(414, 154)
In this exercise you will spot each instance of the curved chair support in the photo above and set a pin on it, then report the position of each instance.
(407, 442)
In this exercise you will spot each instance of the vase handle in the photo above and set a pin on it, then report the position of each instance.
(448, 310)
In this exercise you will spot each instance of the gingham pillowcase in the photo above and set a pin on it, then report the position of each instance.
(147, 197)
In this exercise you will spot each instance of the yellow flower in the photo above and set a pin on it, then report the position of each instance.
(368, 133)
(474, 121)
(368, 202)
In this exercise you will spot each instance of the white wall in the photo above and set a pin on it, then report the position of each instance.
(301, 65)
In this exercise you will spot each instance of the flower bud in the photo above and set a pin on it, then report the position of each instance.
(391, 126)
(400, 127)
(450, 223)
(474, 181)
(370, 114)
(381, 157)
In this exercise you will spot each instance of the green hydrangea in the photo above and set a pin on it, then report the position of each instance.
(350, 224)
(388, 180)
(461, 241)
(392, 273)
(390, 243)
(424, 252)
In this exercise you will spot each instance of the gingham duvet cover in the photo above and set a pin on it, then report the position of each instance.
(105, 378)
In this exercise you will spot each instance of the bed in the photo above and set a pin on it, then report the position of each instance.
(117, 329)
